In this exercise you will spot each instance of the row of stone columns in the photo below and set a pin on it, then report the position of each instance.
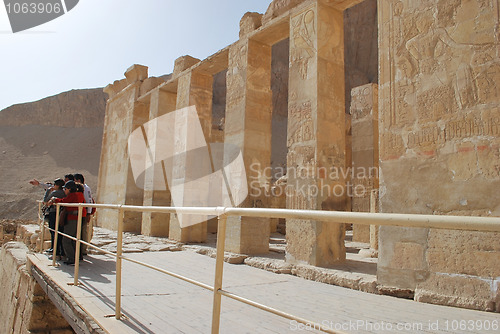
(316, 135)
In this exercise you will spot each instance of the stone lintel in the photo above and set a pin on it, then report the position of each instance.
(341, 4)
(149, 84)
(274, 32)
(170, 86)
(210, 66)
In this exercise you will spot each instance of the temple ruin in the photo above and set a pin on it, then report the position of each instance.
(349, 105)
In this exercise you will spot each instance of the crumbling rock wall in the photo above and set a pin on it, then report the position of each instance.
(24, 306)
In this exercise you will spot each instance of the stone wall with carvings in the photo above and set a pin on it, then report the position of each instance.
(440, 145)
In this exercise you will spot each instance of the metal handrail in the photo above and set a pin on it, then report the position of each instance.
(485, 224)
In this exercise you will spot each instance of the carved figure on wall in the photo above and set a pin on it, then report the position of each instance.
(303, 33)
(432, 48)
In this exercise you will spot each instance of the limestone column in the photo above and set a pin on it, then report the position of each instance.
(248, 125)
(123, 115)
(316, 134)
(194, 88)
(134, 195)
(364, 129)
(156, 191)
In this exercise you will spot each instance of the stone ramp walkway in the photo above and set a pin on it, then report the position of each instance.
(156, 303)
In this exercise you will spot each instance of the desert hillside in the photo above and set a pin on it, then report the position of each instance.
(46, 139)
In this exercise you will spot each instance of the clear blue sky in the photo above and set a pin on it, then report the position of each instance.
(94, 43)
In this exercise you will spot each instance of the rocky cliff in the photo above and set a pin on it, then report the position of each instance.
(81, 108)
(46, 139)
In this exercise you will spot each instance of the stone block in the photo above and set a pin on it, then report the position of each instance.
(390, 235)
(464, 253)
(46, 235)
(136, 73)
(183, 63)
(114, 88)
(247, 235)
(361, 233)
(397, 279)
(460, 291)
(250, 22)
(45, 315)
(408, 255)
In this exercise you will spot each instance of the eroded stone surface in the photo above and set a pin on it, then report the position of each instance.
(456, 290)
(440, 145)
(249, 22)
(25, 306)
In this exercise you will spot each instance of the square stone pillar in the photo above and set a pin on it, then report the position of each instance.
(364, 129)
(248, 125)
(123, 115)
(194, 88)
(134, 195)
(316, 134)
(157, 224)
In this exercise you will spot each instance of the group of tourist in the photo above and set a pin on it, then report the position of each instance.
(71, 189)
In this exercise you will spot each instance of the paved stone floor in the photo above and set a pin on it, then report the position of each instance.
(358, 272)
(157, 303)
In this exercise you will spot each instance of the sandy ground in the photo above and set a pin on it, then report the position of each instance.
(44, 153)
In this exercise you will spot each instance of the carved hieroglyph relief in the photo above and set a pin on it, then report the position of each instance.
(303, 47)
(361, 103)
(236, 74)
(301, 126)
(443, 64)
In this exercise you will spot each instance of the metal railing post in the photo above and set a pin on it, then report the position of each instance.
(56, 235)
(490, 224)
(119, 242)
(77, 247)
(219, 268)
(42, 226)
